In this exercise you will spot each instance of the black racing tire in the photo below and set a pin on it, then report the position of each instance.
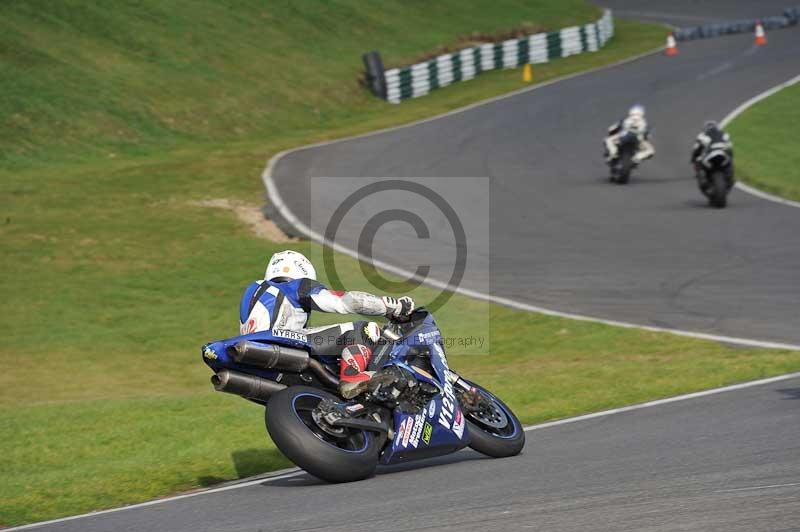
(289, 423)
(625, 167)
(490, 441)
(718, 193)
(612, 176)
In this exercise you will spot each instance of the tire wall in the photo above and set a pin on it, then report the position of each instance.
(418, 80)
(789, 18)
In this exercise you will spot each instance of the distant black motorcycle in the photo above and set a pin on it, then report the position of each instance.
(714, 173)
(624, 163)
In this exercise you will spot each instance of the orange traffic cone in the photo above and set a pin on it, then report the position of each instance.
(672, 47)
(761, 37)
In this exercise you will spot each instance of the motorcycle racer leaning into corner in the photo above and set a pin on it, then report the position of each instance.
(636, 123)
(288, 294)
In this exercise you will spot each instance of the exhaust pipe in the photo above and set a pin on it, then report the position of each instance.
(245, 385)
(270, 356)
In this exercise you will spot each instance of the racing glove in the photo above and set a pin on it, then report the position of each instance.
(398, 308)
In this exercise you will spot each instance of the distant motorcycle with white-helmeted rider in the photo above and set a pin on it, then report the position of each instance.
(627, 144)
(712, 157)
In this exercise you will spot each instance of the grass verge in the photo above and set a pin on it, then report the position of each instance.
(117, 123)
(766, 154)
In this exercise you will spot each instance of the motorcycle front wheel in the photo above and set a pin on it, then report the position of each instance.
(334, 455)
(625, 168)
(718, 196)
(493, 428)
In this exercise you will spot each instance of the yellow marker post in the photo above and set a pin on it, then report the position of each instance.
(527, 73)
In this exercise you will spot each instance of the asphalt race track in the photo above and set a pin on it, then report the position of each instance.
(695, 12)
(726, 462)
(561, 236)
(564, 238)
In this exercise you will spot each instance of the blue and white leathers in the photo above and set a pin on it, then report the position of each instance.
(266, 305)
(287, 305)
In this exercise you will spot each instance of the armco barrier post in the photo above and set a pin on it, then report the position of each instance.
(376, 77)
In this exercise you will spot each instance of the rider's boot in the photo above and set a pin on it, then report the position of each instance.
(354, 380)
(353, 375)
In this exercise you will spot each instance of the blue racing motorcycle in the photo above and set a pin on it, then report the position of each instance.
(416, 406)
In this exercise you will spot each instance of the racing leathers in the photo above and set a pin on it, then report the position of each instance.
(286, 306)
(710, 140)
(635, 124)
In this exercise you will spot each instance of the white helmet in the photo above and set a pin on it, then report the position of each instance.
(289, 265)
(636, 110)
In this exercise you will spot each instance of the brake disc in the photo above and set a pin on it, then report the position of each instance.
(324, 414)
(483, 409)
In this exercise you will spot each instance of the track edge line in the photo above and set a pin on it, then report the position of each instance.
(744, 106)
(664, 401)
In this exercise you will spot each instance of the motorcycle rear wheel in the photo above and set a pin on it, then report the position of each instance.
(351, 456)
(496, 433)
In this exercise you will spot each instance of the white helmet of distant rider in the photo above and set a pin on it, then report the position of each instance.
(636, 111)
(288, 265)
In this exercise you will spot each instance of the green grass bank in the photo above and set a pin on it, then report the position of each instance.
(765, 145)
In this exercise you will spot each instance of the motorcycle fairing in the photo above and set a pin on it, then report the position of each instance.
(441, 427)
(716, 158)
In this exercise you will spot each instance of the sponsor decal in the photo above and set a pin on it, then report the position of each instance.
(300, 266)
(352, 409)
(352, 368)
(372, 331)
(448, 397)
(366, 352)
(407, 433)
(209, 353)
(249, 327)
(291, 335)
(458, 424)
(448, 406)
(416, 431)
(432, 409)
(427, 432)
(450, 416)
(283, 317)
(401, 430)
(430, 336)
